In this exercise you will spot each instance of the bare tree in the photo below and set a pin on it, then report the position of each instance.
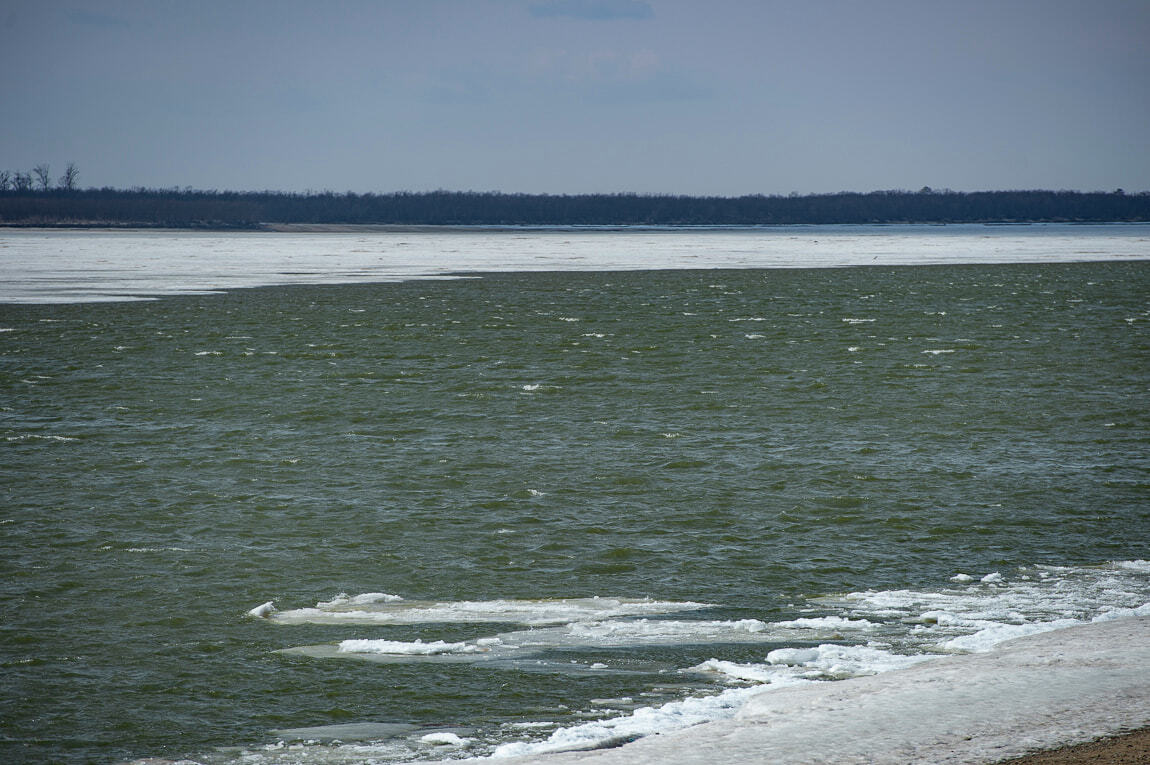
(21, 181)
(5, 180)
(68, 179)
(43, 176)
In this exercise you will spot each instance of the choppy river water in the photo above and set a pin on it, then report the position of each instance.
(544, 504)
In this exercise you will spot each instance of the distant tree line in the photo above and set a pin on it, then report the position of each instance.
(39, 178)
(30, 199)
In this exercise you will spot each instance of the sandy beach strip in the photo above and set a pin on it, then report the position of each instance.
(1131, 749)
(1039, 693)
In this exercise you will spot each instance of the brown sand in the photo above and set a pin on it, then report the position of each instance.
(1131, 749)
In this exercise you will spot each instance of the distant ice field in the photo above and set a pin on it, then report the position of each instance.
(90, 266)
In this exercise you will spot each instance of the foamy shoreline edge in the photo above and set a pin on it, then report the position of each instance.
(1034, 693)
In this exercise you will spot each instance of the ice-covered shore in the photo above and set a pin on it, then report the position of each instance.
(1037, 692)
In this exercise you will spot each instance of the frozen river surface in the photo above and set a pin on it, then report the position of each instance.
(89, 266)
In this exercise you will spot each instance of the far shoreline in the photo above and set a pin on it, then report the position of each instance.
(481, 228)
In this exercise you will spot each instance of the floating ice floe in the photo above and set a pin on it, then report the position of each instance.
(401, 648)
(520, 650)
(649, 630)
(395, 610)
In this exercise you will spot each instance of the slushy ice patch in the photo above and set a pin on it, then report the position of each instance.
(837, 637)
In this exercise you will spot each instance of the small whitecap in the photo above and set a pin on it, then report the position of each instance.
(937, 351)
(991, 578)
(962, 578)
(858, 321)
(34, 436)
(156, 549)
(533, 387)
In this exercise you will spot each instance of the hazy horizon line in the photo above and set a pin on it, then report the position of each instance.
(618, 193)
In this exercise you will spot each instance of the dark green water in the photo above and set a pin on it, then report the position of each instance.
(744, 438)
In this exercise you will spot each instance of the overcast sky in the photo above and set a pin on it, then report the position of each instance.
(720, 97)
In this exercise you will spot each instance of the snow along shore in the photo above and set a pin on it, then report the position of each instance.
(1038, 692)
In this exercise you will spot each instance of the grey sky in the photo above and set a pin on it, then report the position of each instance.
(677, 96)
